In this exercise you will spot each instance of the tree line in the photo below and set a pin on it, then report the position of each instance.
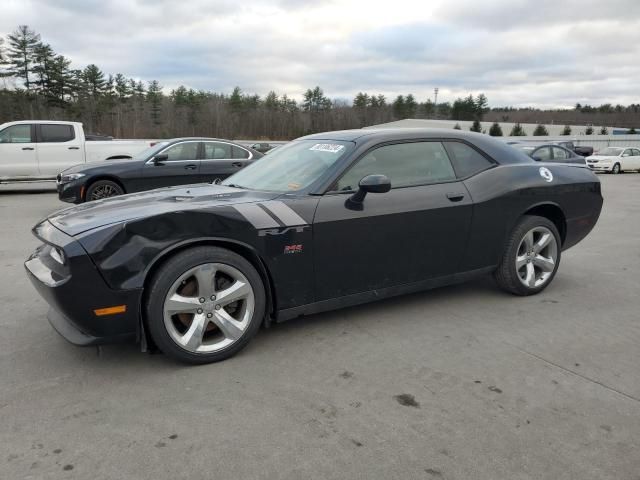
(36, 82)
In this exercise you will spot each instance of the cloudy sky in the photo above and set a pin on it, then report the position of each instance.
(518, 52)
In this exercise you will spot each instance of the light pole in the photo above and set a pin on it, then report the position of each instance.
(435, 103)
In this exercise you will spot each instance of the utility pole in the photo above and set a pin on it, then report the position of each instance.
(435, 103)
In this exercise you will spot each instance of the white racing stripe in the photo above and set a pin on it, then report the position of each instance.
(284, 213)
(256, 216)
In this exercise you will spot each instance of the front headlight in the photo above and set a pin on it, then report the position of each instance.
(57, 254)
(69, 177)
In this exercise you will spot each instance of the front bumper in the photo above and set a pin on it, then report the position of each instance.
(72, 192)
(75, 289)
(599, 167)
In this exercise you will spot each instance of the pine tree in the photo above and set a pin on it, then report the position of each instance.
(271, 101)
(604, 131)
(315, 101)
(236, 100)
(94, 80)
(154, 97)
(495, 130)
(588, 130)
(410, 106)
(540, 131)
(482, 105)
(398, 107)
(566, 130)
(457, 127)
(517, 131)
(20, 54)
(476, 126)
(632, 131)
(43, 61)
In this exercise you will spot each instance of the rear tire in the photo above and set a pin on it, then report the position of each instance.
(103, 189)
(204, 305)
(531, 257)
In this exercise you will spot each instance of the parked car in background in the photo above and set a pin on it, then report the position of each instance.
(262, 147)
(38, 150)
(178, 161)
(550, 153)
(583, 151)
(330, 220)
(615, 160)
(274, 149)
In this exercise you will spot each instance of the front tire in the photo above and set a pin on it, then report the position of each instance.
(616, 169)
(103, 189)
(204, 305)
(531, 257)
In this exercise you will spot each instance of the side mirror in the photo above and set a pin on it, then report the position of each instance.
(371, 184)
(158, 159)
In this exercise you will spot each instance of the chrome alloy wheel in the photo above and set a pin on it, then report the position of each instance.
(104, 191)
(208, 308)
(537, 257)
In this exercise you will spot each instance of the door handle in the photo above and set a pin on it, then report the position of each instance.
(237, 164)
(455, 197)
(74, 148)
(191, 166)
(28, 148)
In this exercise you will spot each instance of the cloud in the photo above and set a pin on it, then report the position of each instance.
(520, 52)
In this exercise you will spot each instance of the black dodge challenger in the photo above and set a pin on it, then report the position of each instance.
(327, 221)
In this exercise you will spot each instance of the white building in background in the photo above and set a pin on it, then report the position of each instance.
(555, 132)
(576, 130)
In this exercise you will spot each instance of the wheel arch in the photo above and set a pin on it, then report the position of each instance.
(99, 177)
(119, 157)
(242, 249)
(553, 212)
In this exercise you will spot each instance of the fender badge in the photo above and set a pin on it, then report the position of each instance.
(546, 174)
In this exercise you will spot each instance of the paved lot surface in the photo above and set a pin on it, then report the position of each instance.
(457, 383)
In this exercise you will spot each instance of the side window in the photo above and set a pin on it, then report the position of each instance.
(182, 151)
(627, 153)
(636, 152)
(238, 152)
(405, 164)
(56, 133)
(216, 151)
(542, 154)
(559, 154)
(16, 134)
(466, 160)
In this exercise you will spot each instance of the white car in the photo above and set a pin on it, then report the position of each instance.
(615, 160)
(39, 150)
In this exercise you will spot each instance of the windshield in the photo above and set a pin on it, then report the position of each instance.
(610, 152)
(151, 151)
(292, 167)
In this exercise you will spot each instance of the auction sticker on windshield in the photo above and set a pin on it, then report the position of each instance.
(327, 147)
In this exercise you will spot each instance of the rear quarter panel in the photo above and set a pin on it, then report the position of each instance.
(504, 194)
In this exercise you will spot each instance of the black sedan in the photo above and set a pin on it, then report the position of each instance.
(327, 221)
(550, 153)
(179, 161)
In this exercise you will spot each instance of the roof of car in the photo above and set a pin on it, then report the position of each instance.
(391, 134)
(498, 150)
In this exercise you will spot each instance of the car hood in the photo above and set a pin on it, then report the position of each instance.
(601, 157)
(99, 164)
(99, 213)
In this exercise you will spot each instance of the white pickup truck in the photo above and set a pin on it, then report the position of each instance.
(40, 149)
